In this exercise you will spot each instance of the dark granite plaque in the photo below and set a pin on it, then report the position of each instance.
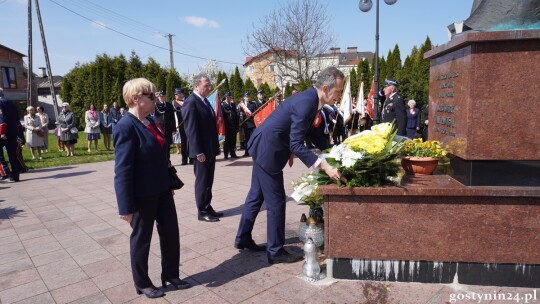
(483, 106)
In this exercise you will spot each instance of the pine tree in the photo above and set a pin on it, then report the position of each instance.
(250, 88)
(173, 81)
(236, 85)
(355, 83)
(135, 67)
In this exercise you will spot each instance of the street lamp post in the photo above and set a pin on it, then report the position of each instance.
(365, 6)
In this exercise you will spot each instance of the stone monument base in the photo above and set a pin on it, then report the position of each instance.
(488, 274)
(432, 228)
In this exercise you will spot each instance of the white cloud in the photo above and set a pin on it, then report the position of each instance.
(200, 22)
(98, 24)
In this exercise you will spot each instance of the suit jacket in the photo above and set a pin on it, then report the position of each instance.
(200, 126)
(284, 132)
(140, 163)
(163, 116)
(230, 115)
(413, 120)
(393, 110)
(9, 115)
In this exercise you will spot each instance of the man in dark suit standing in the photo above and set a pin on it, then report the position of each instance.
(248, 108)
(201, 131)
(164, 117)
(393, 109)
(9, 124)
(272, 145)
(178, 103)
(230, 116)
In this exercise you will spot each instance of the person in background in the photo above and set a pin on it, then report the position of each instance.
(45, 127)
(178, 103)
(200, 125)
(164, 117)
(10, 129)
(413, 119)
(278, 97)
(91, 118)
(393, 109)
(68, 126)
(272, 145)
(142, 187)
(230, 116)
(115, 114)
(105, 123)
(122, 112)
(34, 132)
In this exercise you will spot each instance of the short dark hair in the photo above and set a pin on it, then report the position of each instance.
(328, 76)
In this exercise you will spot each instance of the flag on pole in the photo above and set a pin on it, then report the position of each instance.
(369, 108)
(216, 105)
(263, 113)
(346, 102)
(360, 106)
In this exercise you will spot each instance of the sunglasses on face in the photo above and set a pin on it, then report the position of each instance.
(150, 95)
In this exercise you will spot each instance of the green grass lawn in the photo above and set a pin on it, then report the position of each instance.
(54, 158)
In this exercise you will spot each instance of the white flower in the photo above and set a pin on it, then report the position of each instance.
(336, 152)
(302, 190)
(349, 158)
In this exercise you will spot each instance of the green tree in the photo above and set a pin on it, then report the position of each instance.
(135, 67)
(288, 90)
(355, 83)
(364, 73)
(173, 81)
(225, 86)
(236, 85)
(250, 88)
(119, 66)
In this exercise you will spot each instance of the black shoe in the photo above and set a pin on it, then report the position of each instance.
(284, 257)
(177, 283)
(234, 156)
(208, 218)
(150, 292)
(215, 213)
(226, 157)
(5, 177)
(251, 246)
(13, 179)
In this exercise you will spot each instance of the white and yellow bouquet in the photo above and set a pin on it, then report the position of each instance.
(367, 159)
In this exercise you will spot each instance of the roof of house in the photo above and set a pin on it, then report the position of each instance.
(249, 59)
(43, 82)
(5, 47)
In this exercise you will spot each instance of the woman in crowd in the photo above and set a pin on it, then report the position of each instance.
(34, 132)
(45, 127)
(105, 119)
(68, 126)
(142, 189)
(413, 119)
(92, 130)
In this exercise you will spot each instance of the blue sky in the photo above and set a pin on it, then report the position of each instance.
(210, 29)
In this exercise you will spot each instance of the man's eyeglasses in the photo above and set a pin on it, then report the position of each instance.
(150, 95)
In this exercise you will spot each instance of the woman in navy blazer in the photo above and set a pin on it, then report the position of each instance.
(142, 188)
(413, 119)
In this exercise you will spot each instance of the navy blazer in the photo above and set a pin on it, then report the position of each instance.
(200, 127)
(140, 163)
(284, 132)
(413, 121)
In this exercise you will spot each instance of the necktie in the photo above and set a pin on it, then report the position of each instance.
(207, 103)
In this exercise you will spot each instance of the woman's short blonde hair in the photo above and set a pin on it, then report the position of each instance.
(412, 101)
(30, 108)
(134, 87)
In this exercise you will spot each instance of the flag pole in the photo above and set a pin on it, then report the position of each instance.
(256, 111)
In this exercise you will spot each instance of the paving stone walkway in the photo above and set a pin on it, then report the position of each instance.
(61, 241)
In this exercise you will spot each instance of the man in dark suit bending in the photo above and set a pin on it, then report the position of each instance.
(272, 145)
(200, 125)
